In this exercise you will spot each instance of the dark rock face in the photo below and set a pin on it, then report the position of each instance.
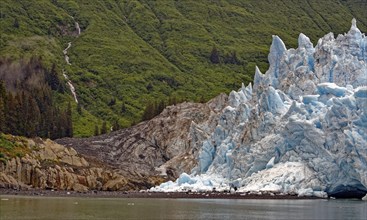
(348, 192)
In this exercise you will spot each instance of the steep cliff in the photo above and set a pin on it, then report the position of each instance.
(48, 165)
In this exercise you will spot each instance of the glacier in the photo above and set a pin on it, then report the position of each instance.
(300, 129)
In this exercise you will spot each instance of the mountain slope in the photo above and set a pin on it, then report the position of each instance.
(300, 129)
(134, 52)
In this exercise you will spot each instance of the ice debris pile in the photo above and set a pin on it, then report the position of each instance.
(300, 129)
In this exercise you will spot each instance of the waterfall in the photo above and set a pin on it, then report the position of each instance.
(77, 28)
(65, 52)
(71, 86)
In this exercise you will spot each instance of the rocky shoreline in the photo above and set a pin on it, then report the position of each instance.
(153, 195)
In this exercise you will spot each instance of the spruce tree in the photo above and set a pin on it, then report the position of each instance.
(116, 125)
(160, 107)
(3, 103)
(69, 122)
(123, 108)
(16, 23)
(149, 111)
(79, 108)
(214, 56)
(2, 115)
(53, 79)
(104, 128)
(96, 130)
(33, 125)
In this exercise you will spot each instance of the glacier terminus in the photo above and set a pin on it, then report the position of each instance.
(301, 128)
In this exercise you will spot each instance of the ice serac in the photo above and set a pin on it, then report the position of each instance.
(301, 128)
(277, 50)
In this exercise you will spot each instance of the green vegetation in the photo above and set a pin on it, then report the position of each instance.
(27, 105)
(132, 53)
(12, 146)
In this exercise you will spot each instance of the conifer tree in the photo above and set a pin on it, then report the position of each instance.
(104, 128)
(149, 111)
(172, 100)
(16, 23)
(33, 116)
(123, 108)
(2, 107)
(160, 107)
(10, 116)
(53, 79)
(96, 130)
(112, 102)
(17, 116)
(69, 122)
(116, 125)
(149, 87)
(214, 56)
(79, 108)
(2, 115)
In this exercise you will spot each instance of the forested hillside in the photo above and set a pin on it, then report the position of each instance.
(133, 54)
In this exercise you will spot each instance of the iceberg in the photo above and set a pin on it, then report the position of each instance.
(300, 129)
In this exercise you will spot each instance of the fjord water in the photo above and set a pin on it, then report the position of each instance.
(16, 207)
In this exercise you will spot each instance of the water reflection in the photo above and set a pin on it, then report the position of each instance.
(13, 207)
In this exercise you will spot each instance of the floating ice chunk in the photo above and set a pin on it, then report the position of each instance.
(185, 178)
(320, 194)
(196, 184)
(305, 192)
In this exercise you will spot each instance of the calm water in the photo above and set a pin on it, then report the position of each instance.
(14, 207)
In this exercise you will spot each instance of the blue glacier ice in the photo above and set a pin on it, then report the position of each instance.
(301, 128)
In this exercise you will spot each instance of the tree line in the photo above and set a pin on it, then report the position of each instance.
(104, 130)
(32, 114)
(27, 108)
(154, 108)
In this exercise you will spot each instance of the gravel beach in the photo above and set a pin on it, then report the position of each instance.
(135, 194)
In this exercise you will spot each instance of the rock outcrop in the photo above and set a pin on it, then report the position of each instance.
(52, 166)
(166, 146)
